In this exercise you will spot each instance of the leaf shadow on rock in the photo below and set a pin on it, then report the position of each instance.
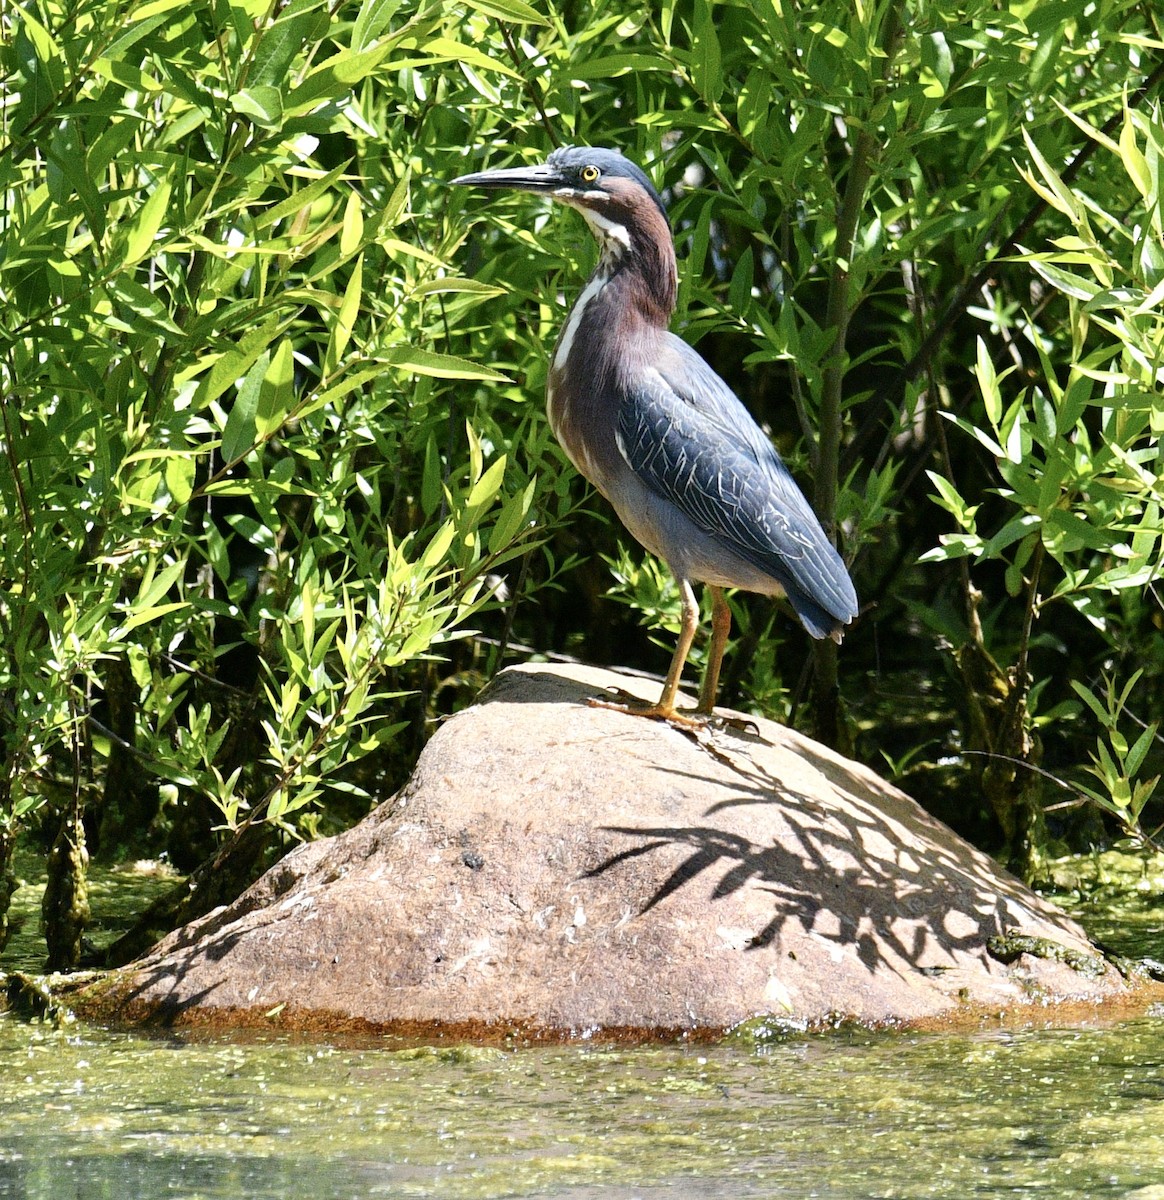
(871, 872)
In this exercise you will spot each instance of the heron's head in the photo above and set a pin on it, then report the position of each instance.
(619, 202)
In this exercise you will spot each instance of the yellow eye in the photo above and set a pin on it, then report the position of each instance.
(590, 174)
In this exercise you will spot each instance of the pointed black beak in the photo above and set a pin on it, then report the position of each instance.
(538, 178)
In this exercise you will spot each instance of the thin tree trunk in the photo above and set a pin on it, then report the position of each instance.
(829, 726)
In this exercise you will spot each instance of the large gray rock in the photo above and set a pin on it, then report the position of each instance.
(555, 867)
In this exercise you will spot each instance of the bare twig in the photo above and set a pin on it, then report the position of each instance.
(534, 92)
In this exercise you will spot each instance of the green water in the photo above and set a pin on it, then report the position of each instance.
(1061, 1113)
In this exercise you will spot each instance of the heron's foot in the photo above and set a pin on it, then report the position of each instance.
(739, 724)
(688, 720)
(685, 721)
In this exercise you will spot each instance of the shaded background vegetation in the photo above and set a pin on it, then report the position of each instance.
(278, 491)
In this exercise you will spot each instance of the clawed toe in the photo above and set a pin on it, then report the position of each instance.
(633, 706)
(686, 721)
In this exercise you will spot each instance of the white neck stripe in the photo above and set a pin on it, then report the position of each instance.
(611, 236)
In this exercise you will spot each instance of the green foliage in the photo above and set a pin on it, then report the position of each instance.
(1077, 449)
(1079, 458)
(234, 454)
(270, 394)
(1116, 763)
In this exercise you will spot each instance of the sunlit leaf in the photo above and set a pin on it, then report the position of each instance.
(144, 228)
(346, 317)
(372, 19)
(440, 366)
(509, 10)
(263, 104)
(277, 391)
(353, 225)
(238, 434)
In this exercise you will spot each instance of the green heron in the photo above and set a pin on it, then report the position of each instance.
(660, 435)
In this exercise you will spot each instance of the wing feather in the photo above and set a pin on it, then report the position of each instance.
(687, 436)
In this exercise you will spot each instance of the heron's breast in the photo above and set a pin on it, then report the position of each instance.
(572, 418)
(581, 400)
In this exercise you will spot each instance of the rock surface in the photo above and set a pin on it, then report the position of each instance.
(553, 867)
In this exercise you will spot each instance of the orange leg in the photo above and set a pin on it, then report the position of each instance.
(664, 709)
(721, 625)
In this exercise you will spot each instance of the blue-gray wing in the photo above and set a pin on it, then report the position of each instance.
(686, 435)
